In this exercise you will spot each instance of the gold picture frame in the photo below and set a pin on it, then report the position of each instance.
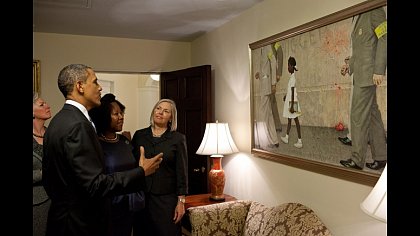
(324, 93)
(36, 76)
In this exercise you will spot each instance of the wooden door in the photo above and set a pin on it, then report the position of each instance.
(191, 90)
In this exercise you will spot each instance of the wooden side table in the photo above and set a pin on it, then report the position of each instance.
(203, 199)
(198, 200)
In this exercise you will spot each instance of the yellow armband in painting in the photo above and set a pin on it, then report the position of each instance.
(277, 45)
(270, 55)
(380, 30)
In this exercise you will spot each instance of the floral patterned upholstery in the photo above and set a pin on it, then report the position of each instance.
(244, 217)
(292, 219)
(227, 218)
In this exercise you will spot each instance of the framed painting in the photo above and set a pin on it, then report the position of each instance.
(36, 76)
(302, 90)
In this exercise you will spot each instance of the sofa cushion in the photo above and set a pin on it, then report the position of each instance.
(292, 219)
(227, 218)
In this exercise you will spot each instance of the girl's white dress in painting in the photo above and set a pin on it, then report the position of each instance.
(286, 112)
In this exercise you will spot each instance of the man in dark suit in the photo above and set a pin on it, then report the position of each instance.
(73, 165)
(368, 65)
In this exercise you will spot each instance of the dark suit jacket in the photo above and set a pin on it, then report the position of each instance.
(172, 175)
(74, 177)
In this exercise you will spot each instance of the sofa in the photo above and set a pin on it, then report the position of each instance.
(246, 217)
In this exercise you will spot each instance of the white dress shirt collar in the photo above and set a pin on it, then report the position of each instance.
(80, 107)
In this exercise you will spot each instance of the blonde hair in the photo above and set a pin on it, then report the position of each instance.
(35, 96)
(173, 122)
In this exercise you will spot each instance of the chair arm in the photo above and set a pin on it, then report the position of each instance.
(227, 218)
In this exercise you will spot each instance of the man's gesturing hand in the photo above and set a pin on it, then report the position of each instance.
(149, 165)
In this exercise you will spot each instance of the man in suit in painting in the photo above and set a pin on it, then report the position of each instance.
(266, 74)
(278, 56)
(73, 166)
(367, 65)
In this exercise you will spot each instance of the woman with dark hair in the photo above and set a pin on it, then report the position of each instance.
(166, 188)
(118, 156)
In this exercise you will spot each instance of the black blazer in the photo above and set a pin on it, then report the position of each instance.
(172, 174)
(74, 177)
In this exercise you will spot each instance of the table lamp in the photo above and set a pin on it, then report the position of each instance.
(216, 142)
(375, 203)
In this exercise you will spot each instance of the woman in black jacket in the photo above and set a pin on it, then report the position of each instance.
(167, 187)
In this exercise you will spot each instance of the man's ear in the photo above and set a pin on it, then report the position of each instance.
(79, 86)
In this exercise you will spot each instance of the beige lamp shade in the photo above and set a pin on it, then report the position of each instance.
(375, 203)
(217, 140)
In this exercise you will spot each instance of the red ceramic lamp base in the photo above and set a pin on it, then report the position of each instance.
(217, 198)
(217, 180)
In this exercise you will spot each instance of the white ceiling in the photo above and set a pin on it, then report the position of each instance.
(171, 20)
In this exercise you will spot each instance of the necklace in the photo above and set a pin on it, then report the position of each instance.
(38, 136)
(158, 134)
(110, 139)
